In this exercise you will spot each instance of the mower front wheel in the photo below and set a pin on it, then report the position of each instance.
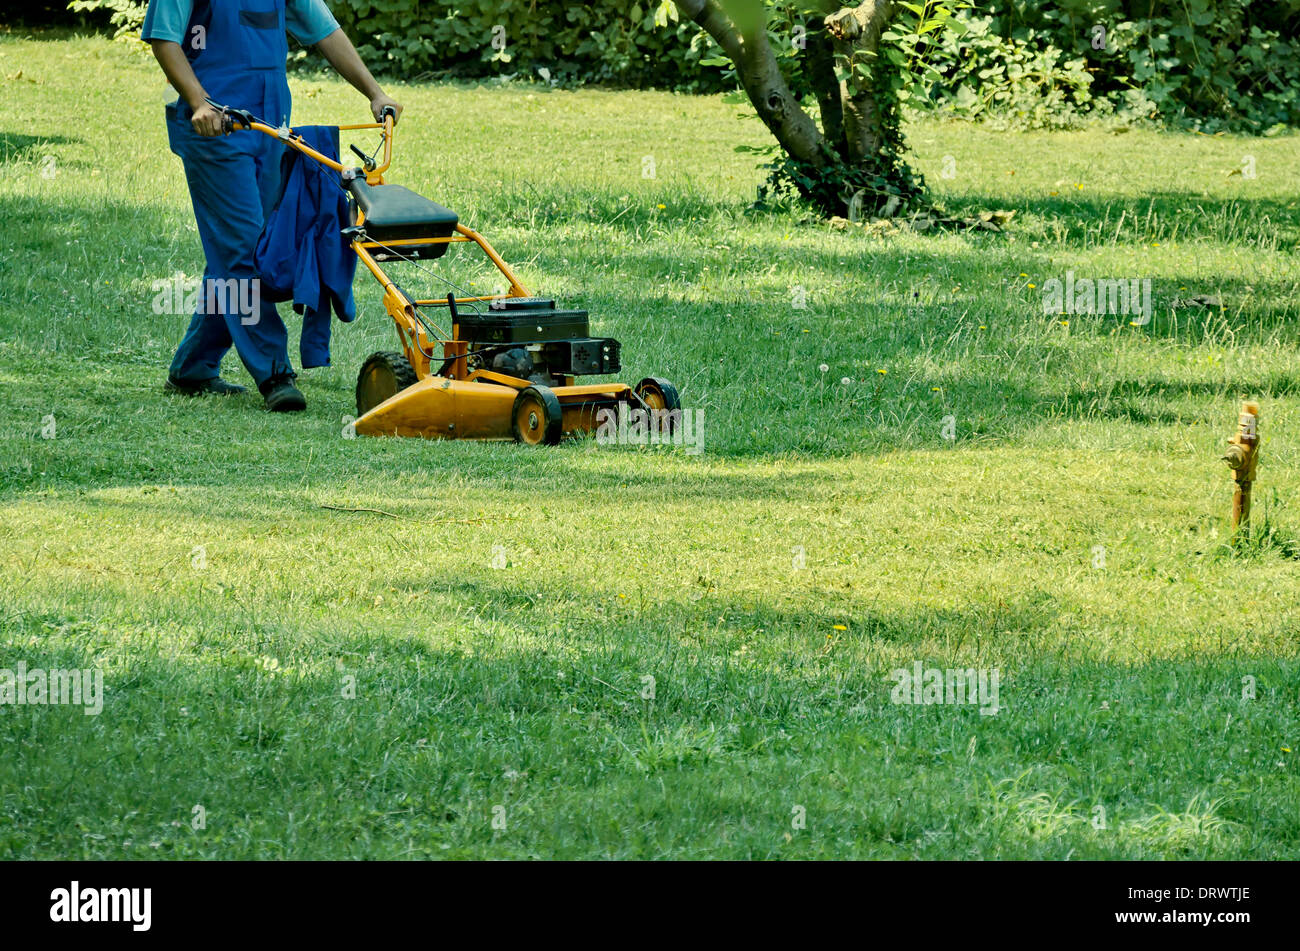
(658, 393)
(537, 418)
(382, 376)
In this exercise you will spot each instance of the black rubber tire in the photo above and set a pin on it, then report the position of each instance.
(544, 423)
(666, 392)
(381, 372)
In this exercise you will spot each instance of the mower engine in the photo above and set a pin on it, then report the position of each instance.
(530, 339)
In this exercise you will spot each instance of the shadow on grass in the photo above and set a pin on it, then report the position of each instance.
(1083, 220)
(1165, 402)
(259, 732)
(20, 146)
(1153, 216)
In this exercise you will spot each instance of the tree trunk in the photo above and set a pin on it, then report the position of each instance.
(856, 34)
(821, 73)
(853, 152)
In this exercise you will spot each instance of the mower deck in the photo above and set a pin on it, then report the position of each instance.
(439, 406)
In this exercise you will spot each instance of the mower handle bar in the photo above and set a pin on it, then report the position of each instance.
(234, 119)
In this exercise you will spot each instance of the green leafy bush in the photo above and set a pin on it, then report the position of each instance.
(125, 16)
(985, 75)
(1208, 63)
(614, 41)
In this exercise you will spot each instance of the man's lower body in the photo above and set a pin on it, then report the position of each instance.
(234, 181)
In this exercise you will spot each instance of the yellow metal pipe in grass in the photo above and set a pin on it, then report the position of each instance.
(1242, 457)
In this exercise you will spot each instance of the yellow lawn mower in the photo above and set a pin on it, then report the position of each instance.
(506, 364)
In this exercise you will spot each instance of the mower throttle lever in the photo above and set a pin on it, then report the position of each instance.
(366, 160)
(388, 111)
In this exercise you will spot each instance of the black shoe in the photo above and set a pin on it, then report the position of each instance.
(216, 386)
(282, 396)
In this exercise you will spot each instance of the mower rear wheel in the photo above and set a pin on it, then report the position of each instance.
(658, 393)
(383, 375)
(537, 418)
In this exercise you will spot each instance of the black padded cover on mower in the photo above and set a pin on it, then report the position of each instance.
(395, 213)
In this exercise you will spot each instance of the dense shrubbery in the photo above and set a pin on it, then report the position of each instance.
(613, 41)
(1208, 62)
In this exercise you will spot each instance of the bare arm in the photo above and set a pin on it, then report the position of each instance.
(342, 55)
(336, 47)
(170, 56)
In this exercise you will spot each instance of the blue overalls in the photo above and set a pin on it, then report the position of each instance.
(239, 56)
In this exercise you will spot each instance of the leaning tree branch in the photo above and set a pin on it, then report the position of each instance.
(760, 75)
(715, 23)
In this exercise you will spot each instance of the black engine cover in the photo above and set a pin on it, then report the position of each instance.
(523, 320)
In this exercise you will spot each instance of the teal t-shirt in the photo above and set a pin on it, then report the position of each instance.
(308, 21)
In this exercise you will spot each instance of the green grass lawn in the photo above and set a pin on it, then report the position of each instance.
(1073, 535)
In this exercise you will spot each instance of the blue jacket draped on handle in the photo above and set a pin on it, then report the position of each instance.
(302, 253)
